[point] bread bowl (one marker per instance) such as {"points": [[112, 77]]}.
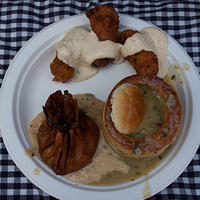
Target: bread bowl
{"points": [[136, 145]]}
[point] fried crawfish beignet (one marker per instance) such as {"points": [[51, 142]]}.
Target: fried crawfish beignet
{"points": [[104, 21], [61, 71], [144, 62]]}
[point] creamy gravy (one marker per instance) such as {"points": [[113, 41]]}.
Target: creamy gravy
{"points": [[30, 152], [154, 113], [37, 171], [33, 129], [138, 168], [149, 39], [186, 67], [80, 47], [147, 188]]}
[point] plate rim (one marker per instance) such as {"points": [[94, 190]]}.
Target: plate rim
{"points": [[28, 42]]}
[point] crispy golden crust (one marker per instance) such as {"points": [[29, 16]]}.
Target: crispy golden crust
{"points": [[124, 35], [159, 141], [61, 71], [144, 62], [104, 21]]}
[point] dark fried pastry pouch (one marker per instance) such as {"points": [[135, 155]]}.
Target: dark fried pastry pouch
{"points": [[68, 137]]}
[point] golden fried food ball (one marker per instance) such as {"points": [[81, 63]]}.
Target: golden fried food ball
{"points": [[61, 71], [104, 21], [144, 62]]}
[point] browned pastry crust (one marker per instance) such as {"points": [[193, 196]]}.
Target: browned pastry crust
{"points": [[61, 70], [159, 141], [104, 21], [68, 137]]}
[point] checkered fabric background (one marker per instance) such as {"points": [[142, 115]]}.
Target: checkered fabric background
{"points": [[20, 20]]}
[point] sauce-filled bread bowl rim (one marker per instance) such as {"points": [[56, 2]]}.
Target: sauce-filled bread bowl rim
{"points": [[124, 144]]}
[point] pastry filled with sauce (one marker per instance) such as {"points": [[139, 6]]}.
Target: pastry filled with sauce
{"points": [[141, 116]]}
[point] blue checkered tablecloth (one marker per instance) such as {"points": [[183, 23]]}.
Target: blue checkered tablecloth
{"points": [[20, 20]]}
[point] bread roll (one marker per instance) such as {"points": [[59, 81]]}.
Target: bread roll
{"points": [[128, 108]]}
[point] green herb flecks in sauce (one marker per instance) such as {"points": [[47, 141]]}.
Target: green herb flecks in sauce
{"points": [[154, 113]]}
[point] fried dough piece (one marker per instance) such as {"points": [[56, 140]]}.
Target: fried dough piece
{"points": [[144, 62], [61, 71], [104, 21], [124, 35]]}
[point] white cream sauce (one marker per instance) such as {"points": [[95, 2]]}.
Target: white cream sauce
{"points": [[80, 47], [149, 39]]}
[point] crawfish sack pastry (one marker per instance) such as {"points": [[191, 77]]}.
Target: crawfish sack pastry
{"points": [[68, 137], [104, 21]]}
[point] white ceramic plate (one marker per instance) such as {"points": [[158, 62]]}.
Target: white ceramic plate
{"points": [[28, 83]]}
